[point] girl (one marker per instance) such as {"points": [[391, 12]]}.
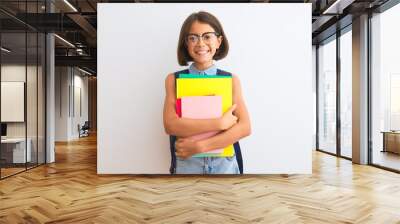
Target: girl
{"points": [[201, 41]]}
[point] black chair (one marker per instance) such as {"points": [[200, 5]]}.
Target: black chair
{"points": [[84, 130]]}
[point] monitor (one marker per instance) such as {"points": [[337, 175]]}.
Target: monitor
{"points": [[3, 129]]}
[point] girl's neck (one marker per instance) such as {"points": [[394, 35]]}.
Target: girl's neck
{"points": [[204, 66]]}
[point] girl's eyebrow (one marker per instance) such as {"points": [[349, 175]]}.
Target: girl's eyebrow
{"points": [[202, 33]]}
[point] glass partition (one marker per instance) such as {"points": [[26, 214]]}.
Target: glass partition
{"points": [[346, 94], [327, 96], [385, 89], [22, 66], [13, 95]]}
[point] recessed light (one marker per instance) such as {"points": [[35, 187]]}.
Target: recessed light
{"points": [[64, 40], [5, 50], [337, 7], [70, 5], [84, 71]]}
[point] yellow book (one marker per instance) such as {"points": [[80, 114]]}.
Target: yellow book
{"points": [[204, 86]]}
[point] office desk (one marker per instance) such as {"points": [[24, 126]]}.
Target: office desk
{"points": [[13, 150], [391, 141]]}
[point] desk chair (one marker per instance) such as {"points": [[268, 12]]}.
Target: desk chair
{"points": [[84, 130]]}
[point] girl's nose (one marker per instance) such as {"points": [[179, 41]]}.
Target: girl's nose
{"points": [[200, 42]]}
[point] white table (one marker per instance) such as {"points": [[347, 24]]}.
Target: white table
{"points": [[19, 155]]}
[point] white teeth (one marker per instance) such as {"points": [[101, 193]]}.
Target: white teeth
{"points": [[201, 52]]}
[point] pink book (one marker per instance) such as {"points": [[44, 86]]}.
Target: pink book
{"points": [[202, 107]]}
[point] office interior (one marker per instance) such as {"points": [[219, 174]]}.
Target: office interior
{"points": [[30, 56], [48, 81], [335, 74]]}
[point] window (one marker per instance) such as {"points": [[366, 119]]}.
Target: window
{"points": [[385, 89], [346, 93], [327, 96]]}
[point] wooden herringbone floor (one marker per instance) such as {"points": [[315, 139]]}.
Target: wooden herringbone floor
{"points": [[69, 191]]}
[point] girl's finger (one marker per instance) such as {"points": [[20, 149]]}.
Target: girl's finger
{"points": [[233, 107]]}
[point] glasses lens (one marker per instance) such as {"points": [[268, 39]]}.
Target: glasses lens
{"points": [[209, 37], [191, 38]]}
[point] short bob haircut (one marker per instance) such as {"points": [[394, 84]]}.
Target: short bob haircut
{"points": [[202, 17]]}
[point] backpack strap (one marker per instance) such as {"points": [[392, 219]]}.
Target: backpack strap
{"points": [[172, 138], [224, 73]]}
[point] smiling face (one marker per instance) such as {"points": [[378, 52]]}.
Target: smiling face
{"points": [[203, 50]]}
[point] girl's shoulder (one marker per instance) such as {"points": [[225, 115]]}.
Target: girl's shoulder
{"points": [[176, 73]]}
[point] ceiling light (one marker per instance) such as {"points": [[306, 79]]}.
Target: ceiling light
{"points": [[64, 40], [5, 50], [70, 5], [84, 71], [337, 7]]}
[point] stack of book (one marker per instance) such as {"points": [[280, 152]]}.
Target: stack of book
{"points": [[204, 97]]}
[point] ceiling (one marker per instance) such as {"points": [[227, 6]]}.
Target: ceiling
{"points": [[76, 22]]}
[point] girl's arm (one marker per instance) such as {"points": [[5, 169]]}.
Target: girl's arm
{"points": [[186, 147], [184, 127]]}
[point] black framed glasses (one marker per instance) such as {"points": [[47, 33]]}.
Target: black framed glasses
{"points": [[207, 37]]}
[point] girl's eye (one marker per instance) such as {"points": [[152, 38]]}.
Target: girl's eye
{"points": [[192, 38], [207, 37]]}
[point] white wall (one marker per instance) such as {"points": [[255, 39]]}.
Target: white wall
{"points": [[80, 84], [61, 103], [17, 72], [270, 52], [68, 80]]}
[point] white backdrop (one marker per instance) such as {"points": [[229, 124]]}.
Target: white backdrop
{"points": [[270, 51]]}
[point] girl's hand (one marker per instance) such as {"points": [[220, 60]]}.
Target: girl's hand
{"points": [[186, 147], [228, 119]]}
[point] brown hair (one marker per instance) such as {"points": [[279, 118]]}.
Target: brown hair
{"points": [[202, 17]]}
